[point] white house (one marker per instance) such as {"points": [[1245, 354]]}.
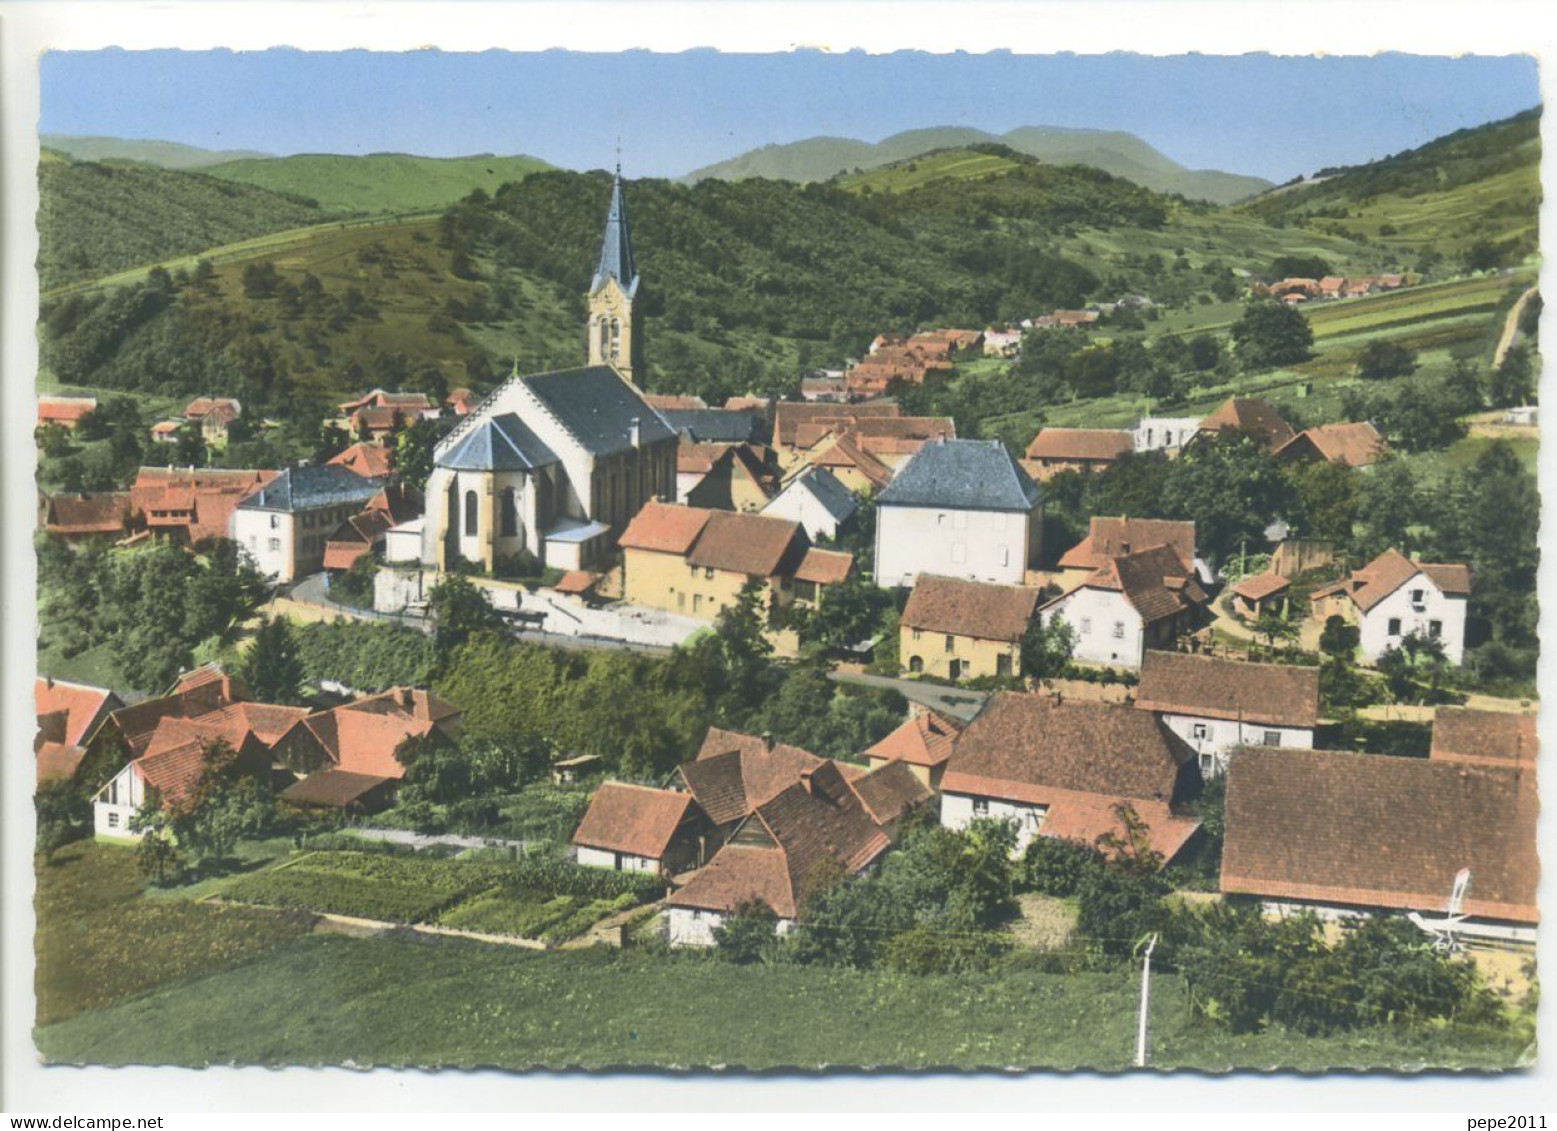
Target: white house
{"points": [[959, 508], [1393, 597], [173, 766], [1132, 602], [1062, 770], [817, 501], [286, 523], [1216, 705], [1165, 433], [635, 828]]}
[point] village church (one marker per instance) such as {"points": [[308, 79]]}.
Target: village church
{"points": [[556, 464]]}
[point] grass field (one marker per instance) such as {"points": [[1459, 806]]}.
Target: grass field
{"points": [[378, 182], [99, 941], [950, 165], [445, 1002]]}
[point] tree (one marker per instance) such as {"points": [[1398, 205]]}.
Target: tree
{"points": [[1388, 506], [1513, 382], [1339, 640], [1047, 649], [1230, 488], [355, 585], [1299, 267], [333, 440], [1381, 359], [458, 611], [53, 440], [749, 935], [1129, 848], [63, 813], [271, 666], [846, 614], [1326, 495], [1271, 334], [1274, 627], [436, 770], [744, 646], [413, 451]]}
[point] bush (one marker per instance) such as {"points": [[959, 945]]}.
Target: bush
{"points": [[925, 950], [750, 935], [367, 657], [1051, 866]]}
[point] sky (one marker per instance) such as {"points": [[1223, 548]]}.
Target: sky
{"points": [[1255, 114]]}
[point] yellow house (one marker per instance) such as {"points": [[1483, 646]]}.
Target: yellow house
{"points": [[957, 629], [924, 743], [695, 562], [727, 477]]}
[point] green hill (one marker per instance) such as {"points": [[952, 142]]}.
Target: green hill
{"points": [[380, 182], [167, 154], [1479, 186], [95, 219], [1122, 154]]}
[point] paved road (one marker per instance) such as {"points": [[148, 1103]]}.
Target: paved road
{"points": [[953, 701]]}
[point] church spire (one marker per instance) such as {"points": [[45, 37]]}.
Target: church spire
{"points": [[616, 247]]}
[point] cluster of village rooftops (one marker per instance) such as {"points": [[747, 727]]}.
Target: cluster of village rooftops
{"points": [[652, 513], [752, 822]]}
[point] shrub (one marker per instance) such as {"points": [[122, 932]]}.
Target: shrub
{"points": [[750, 935], [925, 950], [1057, 867]]}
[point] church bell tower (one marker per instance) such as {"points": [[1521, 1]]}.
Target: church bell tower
{"points": [[613, 338]]}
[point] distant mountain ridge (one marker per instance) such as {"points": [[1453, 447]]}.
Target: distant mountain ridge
{"points": [[1113, 151], [150, 151]]}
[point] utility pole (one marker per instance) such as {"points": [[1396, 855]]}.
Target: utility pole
{"points": [[1146, 993]]}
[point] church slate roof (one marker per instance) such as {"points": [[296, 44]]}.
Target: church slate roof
{"points": [[616, 246], [964, 475], [823, 486], [712, 425], [597, 407], [501, 443]]}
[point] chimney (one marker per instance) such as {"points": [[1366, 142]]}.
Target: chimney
{"points": [[635, 432], [805, 779]]}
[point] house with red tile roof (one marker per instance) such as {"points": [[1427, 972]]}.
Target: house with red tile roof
{"points": [[126, 732], [191, 504], [695, 561], [1350, 836], [68, 715], [636, 828], [65, 412], [1108, 538], [1252, 416], [923, 744], [1469, 734], [1216, 705], [213, 416], [1394, 596], [78, 516], [1054, 450], [361, 738], [1135, 601], [955, 629], [1349, 445], [371, 461], [720, 476], [1063, 770], [1260, 593], [461, 401]]}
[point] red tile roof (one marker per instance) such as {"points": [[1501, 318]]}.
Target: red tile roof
{"points": [[824, 567], [788, 415], [1252, 415], [970, 608], [83, 513], [1080, 760], [634, 819], [1277, 694], [1080, 444], [57, 761], [336, 788], [577, 581], [366, 459], [1258, 586], [752, 544], [378, 398], [1109, 537], [80, 705], [1350, 445], [1370, 584], [200, 500], [664, 528], [64, 410], [847, 451], [362, 736], [1465, 734], [926, 739], [1153, 581], [673, 402], [1373, 830], [889, 791], [224, 408]]}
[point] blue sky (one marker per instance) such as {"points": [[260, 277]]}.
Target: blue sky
{"points": [[1258, 114]]}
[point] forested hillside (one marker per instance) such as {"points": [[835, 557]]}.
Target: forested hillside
{"points": [[379, 182], [1474, 189], [96, 219]]}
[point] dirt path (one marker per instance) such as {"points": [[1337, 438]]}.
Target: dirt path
{"points": [[1511, 328]]}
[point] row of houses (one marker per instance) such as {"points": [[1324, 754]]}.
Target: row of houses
{"points": [[751, 822], [1296, 290], [1348, 444], [342, 758]]}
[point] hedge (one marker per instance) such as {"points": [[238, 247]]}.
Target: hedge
{"points": [[363, 656]]}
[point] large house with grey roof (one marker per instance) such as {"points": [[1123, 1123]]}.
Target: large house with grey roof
{"points": [[958, 508], [556, 464], [286, 523]]}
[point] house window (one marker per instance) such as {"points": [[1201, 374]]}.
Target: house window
{"points": [[951, 643], [275, 544], [1086, 626], [1418, 598], [275, 522], [1394, 626], [1273, 738], [1435, 629], [510, 513], [805, 590], [470, 513], [981, 806], [956, 668], [1201, 732], [1207, 764], [113, 820], [1119, 630], [697, 602], [916, 664], [708, 573], [917, 633], [1005, 555], [1003, 665]]}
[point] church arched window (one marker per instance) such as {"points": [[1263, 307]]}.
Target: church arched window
{"points": [[605, 338], [510, 513], [470, 513], [616, 338]]}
